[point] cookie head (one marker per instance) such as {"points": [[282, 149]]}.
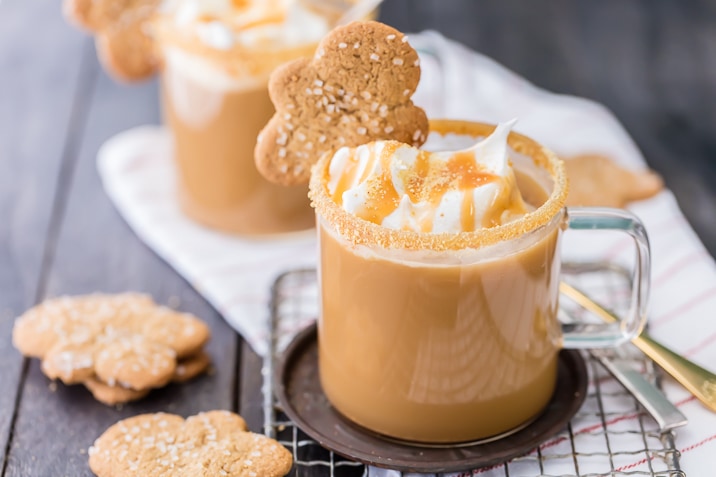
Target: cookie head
{"points": [[357, 88]]}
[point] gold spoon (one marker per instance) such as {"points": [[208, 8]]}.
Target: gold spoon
{"points": [[699, 381]]}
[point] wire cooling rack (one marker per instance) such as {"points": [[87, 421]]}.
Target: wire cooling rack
{"points": [[611, 435]]}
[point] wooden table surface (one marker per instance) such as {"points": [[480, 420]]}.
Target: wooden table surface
{"points": [[653, 63]]}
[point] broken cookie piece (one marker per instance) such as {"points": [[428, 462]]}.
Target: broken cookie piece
{"points": [[598, 181]]}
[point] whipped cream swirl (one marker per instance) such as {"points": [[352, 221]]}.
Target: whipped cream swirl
{"points": [[403, 188], [223, 24]]}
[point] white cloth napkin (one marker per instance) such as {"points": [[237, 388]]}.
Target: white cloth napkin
{"points": [[235, 274]]}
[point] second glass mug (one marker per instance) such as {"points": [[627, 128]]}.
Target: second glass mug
{"points": [[445, 338], [216, 101]]}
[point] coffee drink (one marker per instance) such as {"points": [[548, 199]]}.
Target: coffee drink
{"points": [[442, 350], [217, 59], [438, 317]]}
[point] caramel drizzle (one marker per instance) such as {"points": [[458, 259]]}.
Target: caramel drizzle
{"points": [[382, 199], [425, 181], [275, 14]]}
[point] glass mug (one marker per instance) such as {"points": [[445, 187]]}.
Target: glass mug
{"points": [[446, 338], [215, 101]]}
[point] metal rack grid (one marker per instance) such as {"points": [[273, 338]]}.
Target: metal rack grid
{"points": [[611, 435]]}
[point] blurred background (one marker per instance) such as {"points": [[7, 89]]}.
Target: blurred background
{"points": [[653, 63]]}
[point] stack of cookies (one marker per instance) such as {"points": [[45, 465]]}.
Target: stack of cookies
{"points": [[119, 346]]}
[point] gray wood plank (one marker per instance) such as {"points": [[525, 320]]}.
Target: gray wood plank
{"points": [[39, 75], [250, 392], [97, 251]]}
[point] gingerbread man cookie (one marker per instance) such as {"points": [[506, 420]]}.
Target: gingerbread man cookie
{"points": [[212, 444], [356, 89], [122, 34], [186, 369], [191, 367], [123, 341]]}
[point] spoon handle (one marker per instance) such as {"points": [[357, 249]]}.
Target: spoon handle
{"points": [[699, 381], [666, 415]]}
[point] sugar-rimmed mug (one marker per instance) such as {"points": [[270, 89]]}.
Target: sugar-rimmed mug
{"points": [[444, 338]]}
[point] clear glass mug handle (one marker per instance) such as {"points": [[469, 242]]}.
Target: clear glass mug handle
{"points": [[610, 335]]}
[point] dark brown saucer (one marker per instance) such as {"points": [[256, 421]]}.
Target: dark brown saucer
{"points": [[299, 392]]}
